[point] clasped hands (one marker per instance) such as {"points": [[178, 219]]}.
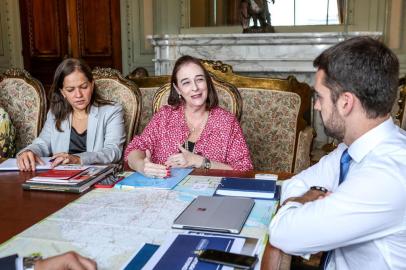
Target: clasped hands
{"points": [[27, 160], [182, 159]]}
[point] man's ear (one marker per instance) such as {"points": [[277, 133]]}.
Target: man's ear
{"points": [[346, 102]]}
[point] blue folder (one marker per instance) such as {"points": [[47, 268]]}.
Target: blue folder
{"points": [[138, 180]]}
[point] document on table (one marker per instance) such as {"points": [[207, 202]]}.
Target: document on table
{"points": [[137, 180], [10, 164]]}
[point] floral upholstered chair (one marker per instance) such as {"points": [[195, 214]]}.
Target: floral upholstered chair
{"points": [[113, 86], [273, 119], [229, 97], [23, 97], [7, 135], [398, 110], [148, 87]]}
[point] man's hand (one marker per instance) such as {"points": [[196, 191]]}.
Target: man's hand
{"points": [[67, 261], [309, 196]]}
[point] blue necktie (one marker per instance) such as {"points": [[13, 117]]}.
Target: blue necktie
{"points": [[344, 166]]}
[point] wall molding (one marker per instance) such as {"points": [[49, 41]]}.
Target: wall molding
{"points": [[10, 35]]}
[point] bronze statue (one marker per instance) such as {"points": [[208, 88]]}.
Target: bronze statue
{"points": [[257, 10]]}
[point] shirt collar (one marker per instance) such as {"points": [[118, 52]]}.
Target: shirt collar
{"points": [[364, 144]]}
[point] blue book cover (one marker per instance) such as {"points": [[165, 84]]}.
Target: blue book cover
{"points": [[247, 187], [180, 254], [137, 180], [142, 257]]}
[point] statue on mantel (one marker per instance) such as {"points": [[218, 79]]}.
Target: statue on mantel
{"points": [[258, 11]]}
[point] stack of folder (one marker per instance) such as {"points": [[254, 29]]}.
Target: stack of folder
{"points": [[74, 179]]}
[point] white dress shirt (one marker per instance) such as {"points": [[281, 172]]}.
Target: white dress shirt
{"points": [[364, 219]]}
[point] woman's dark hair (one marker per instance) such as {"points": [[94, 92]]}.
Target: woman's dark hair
{"points": [[59, 107], [174, 99]]}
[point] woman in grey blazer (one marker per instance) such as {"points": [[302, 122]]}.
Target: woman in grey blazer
{"points": [[81, 127]]}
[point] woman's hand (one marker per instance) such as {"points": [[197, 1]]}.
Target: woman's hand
{"points": [[184, 159], [64, 158], [154, 170], [27, 160]]}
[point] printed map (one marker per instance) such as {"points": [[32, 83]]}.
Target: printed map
{"points": [[109, 225]]}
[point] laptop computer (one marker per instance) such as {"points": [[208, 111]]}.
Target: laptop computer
{"points": [[218, 214]]}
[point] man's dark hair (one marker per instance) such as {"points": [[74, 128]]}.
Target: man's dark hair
{"points": [[365, 67], [174, 99]]}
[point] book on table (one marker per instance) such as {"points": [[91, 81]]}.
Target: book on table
{"points": [[179, 250], [74, 179], [247, 187]]}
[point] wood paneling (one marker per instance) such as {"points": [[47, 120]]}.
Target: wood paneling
{"points": [[44, 35], [55, 29]]}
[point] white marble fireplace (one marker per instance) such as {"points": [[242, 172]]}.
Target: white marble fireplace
{"points": [[275, 54]]}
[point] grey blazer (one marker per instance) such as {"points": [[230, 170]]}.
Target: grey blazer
{"points": [[104, 142]]}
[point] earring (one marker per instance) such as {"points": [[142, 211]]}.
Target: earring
{"points": [[180, 96]]}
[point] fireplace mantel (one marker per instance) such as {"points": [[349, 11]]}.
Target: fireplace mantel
{"points": [[249, 53]]}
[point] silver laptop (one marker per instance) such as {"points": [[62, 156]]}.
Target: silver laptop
{"points": [[218, 214]]}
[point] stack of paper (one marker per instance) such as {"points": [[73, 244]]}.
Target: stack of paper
{"points": [[11, 164]]}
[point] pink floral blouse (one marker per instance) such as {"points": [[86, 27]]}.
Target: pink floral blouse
{"points": [[221, 139]]}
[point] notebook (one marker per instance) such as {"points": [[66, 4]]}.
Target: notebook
{"points": [[247, 187], [218, 214]]}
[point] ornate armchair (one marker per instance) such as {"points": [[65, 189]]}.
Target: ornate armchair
{"points": [[113, 86], [148, 87], [273, 118], [398, 111], [23, 97]]}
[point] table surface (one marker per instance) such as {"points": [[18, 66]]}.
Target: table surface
{"points": [[20, 209]]}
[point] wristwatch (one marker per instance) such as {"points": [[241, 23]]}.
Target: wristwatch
{"points": [[206, 164], [29, 262], [322, 189]]}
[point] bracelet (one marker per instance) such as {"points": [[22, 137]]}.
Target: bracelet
{"points": [[322, 189]]}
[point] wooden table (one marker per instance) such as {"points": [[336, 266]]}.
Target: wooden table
{"points": [[20, 209]]}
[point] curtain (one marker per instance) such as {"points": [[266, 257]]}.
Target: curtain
{"points": [[341, 5]]}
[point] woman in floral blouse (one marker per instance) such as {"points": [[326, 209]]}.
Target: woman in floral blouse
{"points": [[192, 131]]}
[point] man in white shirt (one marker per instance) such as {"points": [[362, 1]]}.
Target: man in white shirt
{"points": [[352, 203]]}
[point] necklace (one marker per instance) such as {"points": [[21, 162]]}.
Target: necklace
{"points": [[199, 126]]}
